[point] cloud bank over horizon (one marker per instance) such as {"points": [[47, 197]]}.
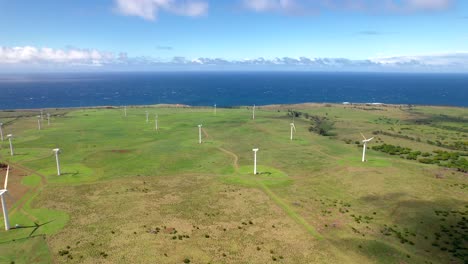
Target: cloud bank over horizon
{"points": [[74, 59]]}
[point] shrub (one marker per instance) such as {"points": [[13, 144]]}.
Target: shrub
{"points": [[63, 252]]}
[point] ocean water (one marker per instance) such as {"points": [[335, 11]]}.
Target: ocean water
{"points": [[228, 88]]}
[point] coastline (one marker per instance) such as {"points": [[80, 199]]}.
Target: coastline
{"points": [[266, 106]]}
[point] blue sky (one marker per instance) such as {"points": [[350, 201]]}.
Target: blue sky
{"points": [[362, 35]]}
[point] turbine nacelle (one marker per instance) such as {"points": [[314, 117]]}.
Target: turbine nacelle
{"points": [[366, 140], [56, 150], [293, 127]]}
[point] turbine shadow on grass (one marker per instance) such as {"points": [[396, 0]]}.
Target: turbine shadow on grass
{"points": [[20, 239], [22, 154], [35, 227], [71, 173]]}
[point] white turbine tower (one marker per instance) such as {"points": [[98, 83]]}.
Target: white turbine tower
{"points": [[4, 192], [48, 119], [147, 117], [255, 160], [1, 131], [39, 122], [156, 123], [364, 147], [215, 109], [10, 137], [199, 134], [57, 151], [293, 128], [253, 112], [42, 115]]}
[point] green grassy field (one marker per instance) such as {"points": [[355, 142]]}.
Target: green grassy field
{"points": [[130, 194]]}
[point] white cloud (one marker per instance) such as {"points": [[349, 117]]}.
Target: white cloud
{"points": [[34, 55], [308, 6], [148, 9], [428, 4], [289, 6]]}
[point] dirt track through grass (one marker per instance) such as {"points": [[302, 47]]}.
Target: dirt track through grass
{"points": [[287, 209], [235, 162], [33, 192]]}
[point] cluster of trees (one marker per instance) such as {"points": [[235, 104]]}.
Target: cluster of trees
{"points": [[442, 158], [397, 150], [319, 124], [380, 132], [292, 113], [456, 145]]}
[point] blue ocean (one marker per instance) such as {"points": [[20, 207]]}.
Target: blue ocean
{"points": [[226, 89]]}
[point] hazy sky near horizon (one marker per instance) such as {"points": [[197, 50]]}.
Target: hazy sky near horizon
{"points": [[416, 35]]}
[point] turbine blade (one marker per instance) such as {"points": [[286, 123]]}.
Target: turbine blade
{"points": [[47, 222], [363, 136], [6, 177], [294, 127], [35, 229], [371, 138]]}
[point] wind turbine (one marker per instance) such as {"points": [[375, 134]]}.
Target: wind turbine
{"points": [[215, 109], [156, 123], [147, 120], [253, 112], [48, 119], [42, 116], [255, 160], [3, 192], [10, 137], [365, 141], [57, 151], [1, 131], [293, 127], [199, 134], [39, 122]]}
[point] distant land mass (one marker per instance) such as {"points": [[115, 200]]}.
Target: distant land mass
{"points": [[227, 89]]}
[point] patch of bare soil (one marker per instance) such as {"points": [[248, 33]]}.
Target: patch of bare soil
{"points": [[15, 188]]}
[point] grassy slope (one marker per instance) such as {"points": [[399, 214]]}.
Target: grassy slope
{"points": [[121, 178]]}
